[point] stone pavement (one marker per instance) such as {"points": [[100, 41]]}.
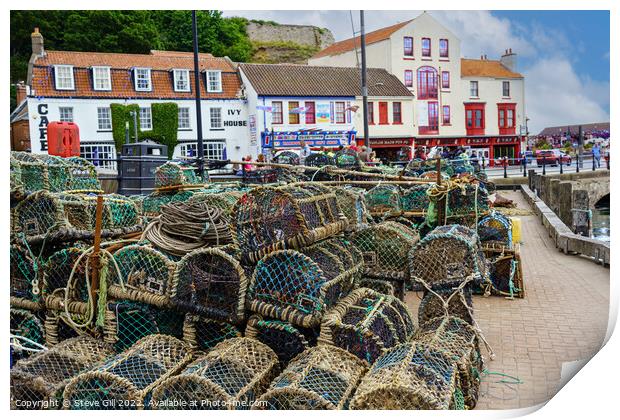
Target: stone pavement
{"points": [[563, 318]]}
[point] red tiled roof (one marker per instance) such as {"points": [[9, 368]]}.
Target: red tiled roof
{"points": [[160, 63], [349, 44], [486, 68]]}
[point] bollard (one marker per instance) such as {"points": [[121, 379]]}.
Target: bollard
{"points": [[577, 158], [607, 159], [544, 158], [593, 163], [524, 166], [561, 166], [505, 166]]}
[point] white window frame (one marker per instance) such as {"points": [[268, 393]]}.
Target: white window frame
{"points": [[211, 118], [107, 79], [106, 119], [141, 117], [505, 83], [105, 151], [60, 112], [57, 69], [185, 147], [219, 80], [189, 122], [471, 90], [136, 71], [214, 149], [175, 77]]}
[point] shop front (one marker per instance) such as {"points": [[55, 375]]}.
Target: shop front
{"points": [[282, 140], [491, 148], [391, 149]]}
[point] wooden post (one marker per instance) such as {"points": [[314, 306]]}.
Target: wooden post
{"points": [[95, 257]]}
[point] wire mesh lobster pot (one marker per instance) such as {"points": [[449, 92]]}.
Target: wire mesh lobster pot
{"points": [[506, 275], [26, 332], [448, 256], [127, 322], [347, 159], [418, 167], [319, 160], [383, 201], [495, 231], [410, 376], [212, 283], [58, 216], [385, 247], [24, 276], [38, 381], [202, 333], [230, 376], [286, 157], [414, 201], [351, 202], [172, 174], [465, 202], [458, 341], [125, 381], [321, 378], [57, 273], [298, 288], [146, 275], [459, 304], [17, 186], [266, 219], [285, 339], [367, 324]]}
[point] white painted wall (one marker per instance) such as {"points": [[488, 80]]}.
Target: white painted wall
{"points": [[389, 130]]}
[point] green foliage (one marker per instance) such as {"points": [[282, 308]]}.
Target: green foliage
{"points": [[542, 144], [13, 97], [265, 22], [120, 115], [588, 146], [281, 52], [165, 125]]}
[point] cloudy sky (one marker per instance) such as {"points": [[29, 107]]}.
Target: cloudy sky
{"points": [[564, 55]]}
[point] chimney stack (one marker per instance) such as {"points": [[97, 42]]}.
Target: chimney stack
{"points": [[21, 92], [37, 43], [509, 60]]}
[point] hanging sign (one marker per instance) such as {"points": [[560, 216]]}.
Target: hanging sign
{"points": [[323, 114]]}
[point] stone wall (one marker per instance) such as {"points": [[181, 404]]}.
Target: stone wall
{"points": [[311, 36]]}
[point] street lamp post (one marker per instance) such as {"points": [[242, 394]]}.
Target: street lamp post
{"points": [[201, 151]]}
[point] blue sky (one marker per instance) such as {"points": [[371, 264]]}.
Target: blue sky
{"points": [[564, 55]]}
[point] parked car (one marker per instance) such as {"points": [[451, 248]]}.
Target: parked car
{"points": [[552, 157]]}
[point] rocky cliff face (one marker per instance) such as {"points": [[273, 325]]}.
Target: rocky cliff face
{"points": [[277, 43]]}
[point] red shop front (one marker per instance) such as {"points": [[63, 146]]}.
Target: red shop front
{"points": [[391, 149], [490, 147]]}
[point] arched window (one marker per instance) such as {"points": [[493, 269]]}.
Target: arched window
{"points": [[427, 83]]}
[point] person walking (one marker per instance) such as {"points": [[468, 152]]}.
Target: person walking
{"points": [[596, 154], [364, 155], [304, 152]]}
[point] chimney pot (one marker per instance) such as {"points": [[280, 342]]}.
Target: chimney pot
{"points": [[37, 43]]}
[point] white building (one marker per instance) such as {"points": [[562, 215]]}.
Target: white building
{"points": [[476, 103], [79, 87], [326, 105]]}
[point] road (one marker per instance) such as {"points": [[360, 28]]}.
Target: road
{"points": [[562, 318], [517, 171]]}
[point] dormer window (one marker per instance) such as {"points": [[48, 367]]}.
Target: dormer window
{"points": [[181, 80], [142, 79], [101, 78], [63, 77], [214, 81]]}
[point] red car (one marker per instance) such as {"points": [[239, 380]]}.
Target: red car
{"points": [[552, 157]]}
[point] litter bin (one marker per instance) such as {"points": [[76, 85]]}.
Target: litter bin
{"points": [[138, 164]]}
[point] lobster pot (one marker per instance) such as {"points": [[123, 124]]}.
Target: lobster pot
{"points": [[59, 216], [35, 173], [291, 286], [202, 334], [172, 174], [287, 157], [125, 381], [319, 160], [152, 203], [506, 275], [418, 167], [465, 201], [367, 324], [353, 206], [38, 381], [127, 322], [224, 201], [320, 378], [414, 201], [351, 258], [83, 175], [447, 256], [495, 231], [210, 282], [62, 325], [383, 201], [285, 339], [462, 167], [24, 274], [385, 247], [230, 376], [57, 272], [380, 286], [347, 159], [16, 183], [146, 275], [410, 376], [266, 219], [458, 341], [26, 328], [460, 305]]}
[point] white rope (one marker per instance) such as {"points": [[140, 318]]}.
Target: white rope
{"points": [[16, 344]]}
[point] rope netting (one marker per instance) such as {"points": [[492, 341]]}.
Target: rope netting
{"points": [[319, 160], [457, 340], [27, 333], [125, 381], [172, 174], [505, 273], [24, 273], [290, 286], [380, 286], [410, 376], [464, 200], [414, 200], [285, 339], [495, 230], [38, 381], [459, 304], [288, 158], [446, 257], [383, 201], [418, 167], [367, 324], [351, 202], [347, 159], [57, 272], [230, 376], [321, 378], [152, 203], [202, 333], [210, 282]]}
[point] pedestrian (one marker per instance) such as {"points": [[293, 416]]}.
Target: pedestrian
{"points": [[247, 167], [304, 152], [596, 154], [364, 155], [419, 153]]}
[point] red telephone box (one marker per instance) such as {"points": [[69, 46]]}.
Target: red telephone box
{"points": [[63, 139]]}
